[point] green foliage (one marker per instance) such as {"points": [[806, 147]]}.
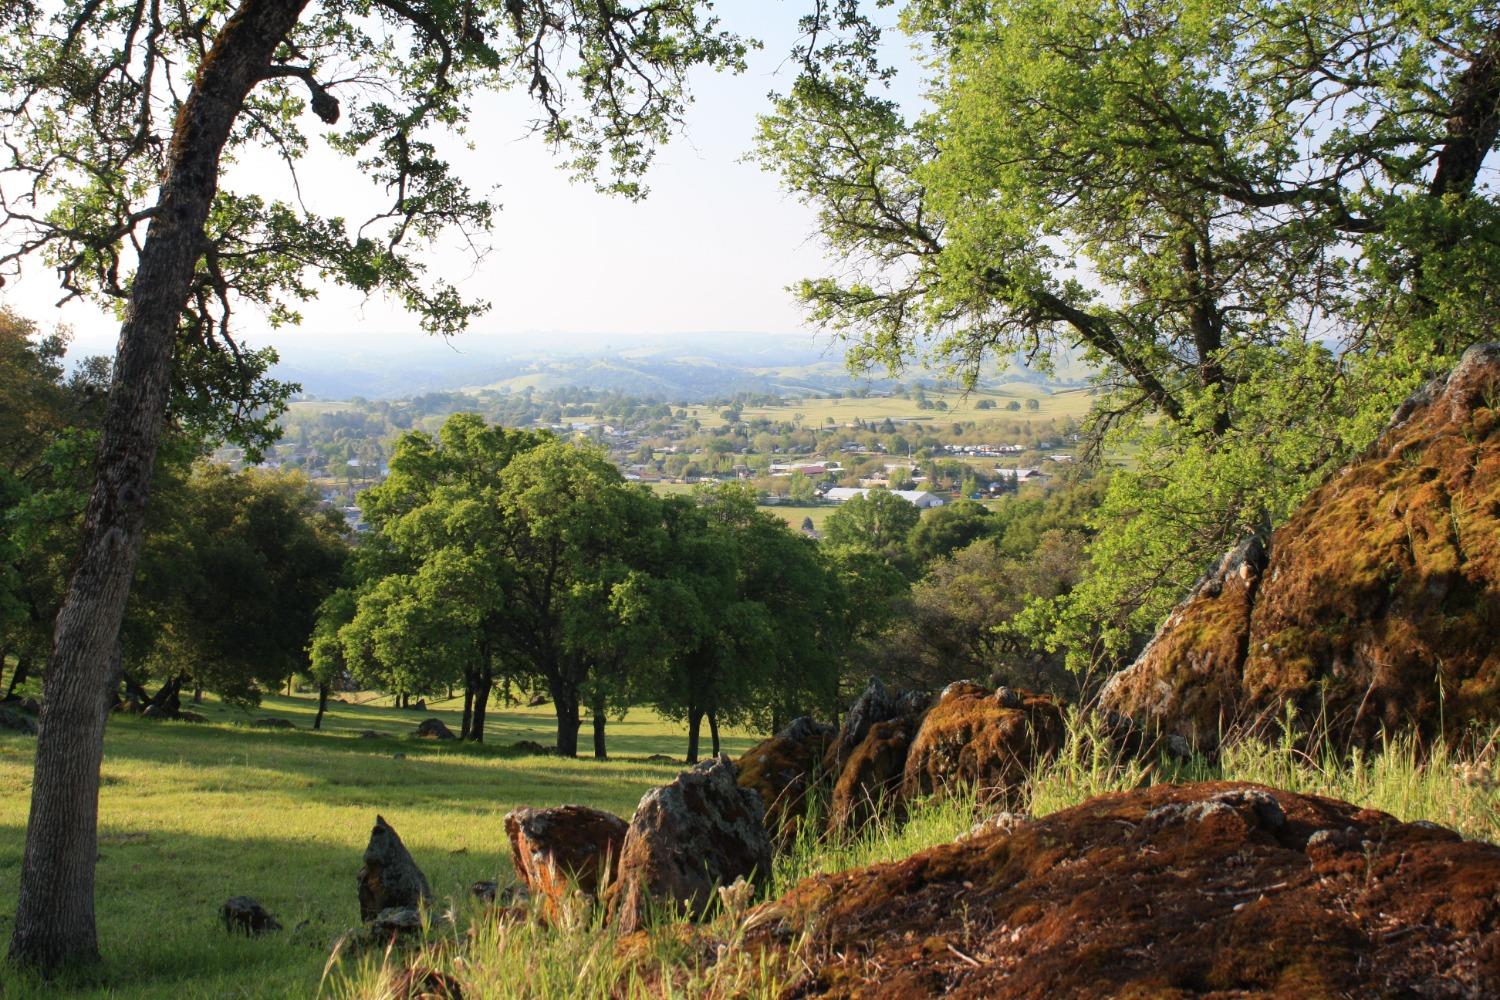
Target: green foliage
{"points": [[876, 521], [1260, 262], [229, 583], [93, 93]]}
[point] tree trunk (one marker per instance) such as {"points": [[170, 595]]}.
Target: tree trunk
{"points": [[18, 675], [322, 705], [54, 922], [695, 720], [198, 694], [168, 701], [565, 703], [599, 722], [463, 730], [713, 730], [481, 704]]}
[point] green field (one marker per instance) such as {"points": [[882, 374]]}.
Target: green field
{"points": [[191, 814], [816, 411]]}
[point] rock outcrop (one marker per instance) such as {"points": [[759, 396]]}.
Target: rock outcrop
{"points": [[1376, 605], [782, 769], [1221, 889], [869, 785], [987, 740], [875, 704], [390, 879], [685, 840], [556, 849]]}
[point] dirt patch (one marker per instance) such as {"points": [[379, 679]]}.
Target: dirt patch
{"points": [[1212, 889]]}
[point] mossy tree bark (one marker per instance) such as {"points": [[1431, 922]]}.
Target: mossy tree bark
{"points": [[54, 924]]}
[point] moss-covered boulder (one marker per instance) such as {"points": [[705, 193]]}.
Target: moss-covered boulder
{"points": [[870, 783], [987, 740], [783, 769], [558, 850], [1378, 603], [1201, 890]]}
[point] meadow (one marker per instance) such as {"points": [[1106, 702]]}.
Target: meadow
{"points": [[193, 813], [819, 410]]}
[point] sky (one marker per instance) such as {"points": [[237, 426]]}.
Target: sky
{"points": [[713, 248]]}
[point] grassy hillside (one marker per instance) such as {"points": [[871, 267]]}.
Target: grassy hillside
{"points": [[191, 814]]}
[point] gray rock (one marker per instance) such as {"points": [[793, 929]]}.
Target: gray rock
{"points": [[390, 878], [686, 840]]}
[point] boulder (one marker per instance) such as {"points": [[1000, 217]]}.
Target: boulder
{"points": [[685, 840], [1373, 609], [988, 740], [556, 849], [1215, 889], [271, 722], [190, 717], [782, 769], [875, 704], [390, 879], [870, 782], [245, 914], [433, 729], [530, 747]]}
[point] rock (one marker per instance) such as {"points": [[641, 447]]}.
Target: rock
{"points": [[530, 747], [687, 838], [15, 721], [190, 717], [1374, 607], [419, 983], [661, 758], [433, 729], [870, 783], [370, 734], [536, 701], [485, 892], [271, 722], [555, 850], [1174, 890], [782, 769], [390, 878], [875, 704], [242, 913], [990, 740]]}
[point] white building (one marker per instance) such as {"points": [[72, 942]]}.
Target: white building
{"points": [[920, 498]]}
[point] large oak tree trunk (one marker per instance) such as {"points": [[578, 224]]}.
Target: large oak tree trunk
{"points": [[713, 730], [54, 923], [481, 704]]}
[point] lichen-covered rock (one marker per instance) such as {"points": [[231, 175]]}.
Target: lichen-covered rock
{"points": [[987, 740], [1214, 889], [782, 769], [556, 849], [685, 840], [870, 782], [875, 704], [15, 721], [420, 983], [390, 879], [1379, 601], [433, 729]]}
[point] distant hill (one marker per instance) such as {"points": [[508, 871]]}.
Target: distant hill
{"points": [[681, 367]]}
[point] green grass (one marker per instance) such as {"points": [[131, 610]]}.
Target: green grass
{"points": [[525, 959], [191, 814]]}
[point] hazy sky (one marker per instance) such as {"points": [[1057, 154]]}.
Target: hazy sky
{"points": [[712, 249]]}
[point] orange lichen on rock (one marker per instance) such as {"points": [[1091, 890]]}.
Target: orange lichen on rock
{"points": [[1379, 601], [870, 782], [783, 769], [1209, 889], [987, 740]]}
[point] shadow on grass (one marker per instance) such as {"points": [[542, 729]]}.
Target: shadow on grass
{"points": [[158, 900]]}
